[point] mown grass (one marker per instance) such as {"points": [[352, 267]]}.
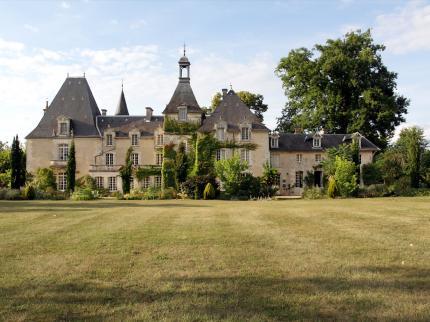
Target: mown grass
{"points": [[365, 259]]}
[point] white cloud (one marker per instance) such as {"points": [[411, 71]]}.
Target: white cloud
{"points": [[65, 5], [7, 46], [406, 29], [138, 24], [31, 28]]}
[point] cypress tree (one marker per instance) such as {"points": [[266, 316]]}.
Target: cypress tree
{"points": [[126, 172], [15, 164], [71, 169]]}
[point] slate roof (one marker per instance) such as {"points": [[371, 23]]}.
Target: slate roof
{"points": [[123, 124], [234, 112], [304, 142], [183, 95], [75, 101], [121, 108]]}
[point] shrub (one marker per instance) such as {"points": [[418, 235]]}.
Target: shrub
{"points": [[152, 193], [209, 192], [168, 173], [371, 174], [135, 194], [195, 186], [168, 193], [331, 190], [313, 193], [250, 187], [346, 179], [5, 179], [86, 182], [84, 194], [45, 179], [10, 194], [230, 172], [117, 195], [29, 192], [373, 191]]}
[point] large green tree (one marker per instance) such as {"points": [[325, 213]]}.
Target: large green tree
{"points": [[342, 86], [126, 171], [71, 169], [253, 101]]}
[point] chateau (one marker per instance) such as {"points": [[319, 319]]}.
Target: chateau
{"points": [[102, 140]]}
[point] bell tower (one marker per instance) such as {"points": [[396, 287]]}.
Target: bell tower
{"points": [[184, 68]]}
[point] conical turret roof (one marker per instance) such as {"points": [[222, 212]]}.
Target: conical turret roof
{"points": [[121, 108]]}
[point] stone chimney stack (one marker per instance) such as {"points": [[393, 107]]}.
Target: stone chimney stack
{"points": [[46, 107], [104, 112], [149, 111]]}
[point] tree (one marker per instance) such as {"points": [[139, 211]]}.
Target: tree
{"points": [[16, 163], [253, 101], [126, 171], [411, 144], [4, 157], [71, 169], [229, 171], [181, 164], [269, 180], [45, 179], [346, 179], [342, 86]]}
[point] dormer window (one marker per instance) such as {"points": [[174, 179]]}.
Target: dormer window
{"points": [[182, 113], [274, 142], [220, 134], [63, 126], [316, 142], [245, 133]]}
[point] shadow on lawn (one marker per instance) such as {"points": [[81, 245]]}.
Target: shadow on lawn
{"points": [[55, 206], [236, 298]]}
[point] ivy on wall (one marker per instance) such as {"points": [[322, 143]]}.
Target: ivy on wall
{"points": [[147, 171], [172, 126]]}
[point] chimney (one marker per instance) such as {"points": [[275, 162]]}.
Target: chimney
{"points": [[224, 92], [149, 111], [104, 112], [298, 130], [46, 107]]}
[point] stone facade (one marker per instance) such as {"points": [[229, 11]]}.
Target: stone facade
{"points": [[102, 141]]}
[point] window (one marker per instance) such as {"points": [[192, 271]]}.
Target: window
{"points": [[157, 181], [63, 152], [182, 114], [100, 182], [134, 139], [299, 158], [245, 133], [299, 179], [244, 155], [109, 140], [159, 159], [274, 142], [317, 142], [64, 128], [318, 157], [274, 160], [220, 154], [61, 181], [160, 139], [220, 134], [135, 158], [146, 182], [131, 183], [112, 184], [109, 158]]}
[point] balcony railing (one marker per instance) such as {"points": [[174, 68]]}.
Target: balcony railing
{"points": [[104, 168], [58, 163]]}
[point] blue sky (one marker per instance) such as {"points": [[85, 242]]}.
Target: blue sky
{"points": [[237, 42]]}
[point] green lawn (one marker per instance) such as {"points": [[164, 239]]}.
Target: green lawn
{"points": [[207, 260]]}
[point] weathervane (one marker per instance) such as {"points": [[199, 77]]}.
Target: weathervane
{"points": [[184, 48]]}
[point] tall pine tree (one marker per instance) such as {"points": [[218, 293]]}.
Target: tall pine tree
{"points": [[71, 169], [16, 154], [126, 171]]}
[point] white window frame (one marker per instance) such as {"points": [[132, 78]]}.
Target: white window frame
{"points": [[274, 143], [112, 184], [131, 183], [61, 181], [245, 133], [299, 158], [146, 182], [220, 133], [157, 181], [160, 139], [100, 182], [63, 151], [220, 154], [318, 157], [274, 160], [182, 113], [109, 159], [245, 155], [65, 130], [159, 158], [134, 158], [316, 142], [134, 139], [109, 139]]}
